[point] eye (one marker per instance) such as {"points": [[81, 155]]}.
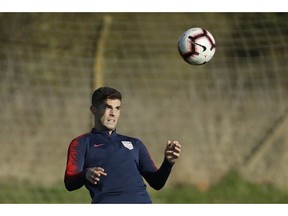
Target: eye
{"points": [[108, 106]]}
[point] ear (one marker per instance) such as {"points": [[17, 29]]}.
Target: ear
{"points": [[93, 109]]}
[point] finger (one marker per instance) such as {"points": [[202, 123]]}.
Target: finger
{"points": [[95, 178], [169, 152], [176, 155], [102, 173], [176, 143], [172, 155], [99, 171], [169, 143], [176, 149], [177, 146]]}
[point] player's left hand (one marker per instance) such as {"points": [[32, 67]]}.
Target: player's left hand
{"points": [[172, 151]]}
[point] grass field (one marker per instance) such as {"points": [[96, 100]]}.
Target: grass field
{"points": [[232, 189]]}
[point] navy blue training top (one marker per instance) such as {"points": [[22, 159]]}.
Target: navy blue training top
{"points": [[124, 159]]}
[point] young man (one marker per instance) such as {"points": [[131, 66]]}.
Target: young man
{"points": [[110, 165]]}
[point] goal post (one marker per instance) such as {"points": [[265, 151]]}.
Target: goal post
{"points": [[98, 67]]}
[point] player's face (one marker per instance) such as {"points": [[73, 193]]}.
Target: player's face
{"points": [[107, 114]]}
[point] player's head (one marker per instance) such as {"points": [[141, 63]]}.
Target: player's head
{"points": [[106, 104], [101, 94]]}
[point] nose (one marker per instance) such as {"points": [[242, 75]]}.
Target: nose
{"points": [[111, 112]]}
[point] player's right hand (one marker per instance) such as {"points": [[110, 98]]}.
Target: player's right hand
{"points": [[93, 174]]}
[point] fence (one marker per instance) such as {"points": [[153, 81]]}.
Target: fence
{"points": [[228, 114]]}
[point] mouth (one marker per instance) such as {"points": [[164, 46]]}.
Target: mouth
{"points": [[111, 121]]}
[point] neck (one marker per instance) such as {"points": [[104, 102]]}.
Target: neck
{"points": [[109, 131]]}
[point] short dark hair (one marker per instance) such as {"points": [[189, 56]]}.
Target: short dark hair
{"points": [[101, 94]]}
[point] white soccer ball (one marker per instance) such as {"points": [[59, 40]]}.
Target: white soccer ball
{"points": [[197, 46]]}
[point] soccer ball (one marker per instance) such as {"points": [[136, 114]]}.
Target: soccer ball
{"points": [[197, 46]]}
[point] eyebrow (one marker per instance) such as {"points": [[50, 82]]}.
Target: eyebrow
{"points": [[109, 106]]}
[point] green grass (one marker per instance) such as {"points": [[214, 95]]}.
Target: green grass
{"points": [[232, 189], [25, 192]]}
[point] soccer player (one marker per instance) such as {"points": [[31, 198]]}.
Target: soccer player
{"points": [[111, 165]]}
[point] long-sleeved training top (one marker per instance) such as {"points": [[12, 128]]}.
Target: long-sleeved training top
{"points": [[124, 159]]}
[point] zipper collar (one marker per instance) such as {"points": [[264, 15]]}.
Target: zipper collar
{"points": [[94, 130]]}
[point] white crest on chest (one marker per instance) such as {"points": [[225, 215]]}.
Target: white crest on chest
{"points": [[127, 144]]}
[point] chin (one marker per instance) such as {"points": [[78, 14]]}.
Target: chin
{"points": [[110, 128]]}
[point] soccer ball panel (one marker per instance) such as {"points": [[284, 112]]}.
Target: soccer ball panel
{"points": [[196, 46]]}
